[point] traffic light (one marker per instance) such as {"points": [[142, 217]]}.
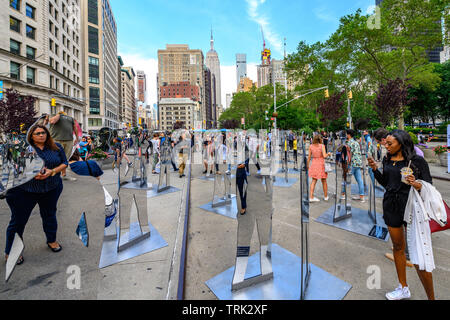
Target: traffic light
{"points": [[53, 102], [327, 93], [350, 95]]}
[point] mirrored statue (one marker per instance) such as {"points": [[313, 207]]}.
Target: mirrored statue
{"points": [[254, 198]]}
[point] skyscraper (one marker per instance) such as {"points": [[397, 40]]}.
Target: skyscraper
{"points": [[180, 75], [213, 64], [241, 67], [100, 63], [141, 85]]}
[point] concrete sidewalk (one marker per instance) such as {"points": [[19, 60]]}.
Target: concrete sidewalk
{"points": [[152, 276], [212, 244]]}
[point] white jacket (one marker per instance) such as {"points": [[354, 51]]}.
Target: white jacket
{"points": [[420, 209]]}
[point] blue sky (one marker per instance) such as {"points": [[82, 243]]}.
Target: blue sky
{"points": [[144, 26]]}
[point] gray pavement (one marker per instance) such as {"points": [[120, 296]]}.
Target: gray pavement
{"points": [[211, 247], [213, 238], [152, 276]]}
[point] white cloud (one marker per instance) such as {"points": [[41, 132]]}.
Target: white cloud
{"points": [[149, 66], [255, 15]]}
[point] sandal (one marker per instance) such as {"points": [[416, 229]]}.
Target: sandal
{"points": [[245, 211], [55, 249]]}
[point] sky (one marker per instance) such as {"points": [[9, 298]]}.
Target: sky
{"points": [[144, 26]]}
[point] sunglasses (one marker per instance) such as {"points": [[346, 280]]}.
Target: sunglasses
{"points": [[41, 133]]}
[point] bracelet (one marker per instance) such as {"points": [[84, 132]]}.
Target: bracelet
{"points": [[53, 172]]}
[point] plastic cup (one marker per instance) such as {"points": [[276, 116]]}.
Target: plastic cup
{"points": [[405, 172]]}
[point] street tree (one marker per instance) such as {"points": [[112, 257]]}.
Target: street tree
{"points": [[16, 110]]}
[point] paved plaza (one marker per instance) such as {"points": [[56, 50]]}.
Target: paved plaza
{"points": [[211, 246]]}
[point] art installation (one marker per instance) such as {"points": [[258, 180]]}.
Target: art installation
{"points": [[82, 230], [342, 215], [254, 198], [14, 255], [139, 178]]}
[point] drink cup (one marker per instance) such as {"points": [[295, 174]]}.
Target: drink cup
{"points": [[405, 172]]}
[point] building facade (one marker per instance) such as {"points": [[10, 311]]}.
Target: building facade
{"points": [[128, 104], [177, 66], [245, 85], [100, 64], [41, 54], [213, 64], [241, 67], [141, 86], [178, 109]]}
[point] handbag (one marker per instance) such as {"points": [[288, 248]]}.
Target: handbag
{"points": [[328, 167], [435, 227]]}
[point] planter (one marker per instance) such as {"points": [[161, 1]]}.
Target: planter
{"points": [[443, 159], [105, 163], [429, 155]]}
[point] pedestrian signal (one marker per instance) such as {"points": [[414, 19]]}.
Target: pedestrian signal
{"points": [[327, 93]]}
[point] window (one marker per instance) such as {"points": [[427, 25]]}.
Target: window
{"points": [[30, 75], [94, 100], [51, 82], [30, 11], [14, 24], [93, 11], [15, 4], [14, 46], [31, 32], [93, 40], [31, 53], [94, 74], [14, 70]]}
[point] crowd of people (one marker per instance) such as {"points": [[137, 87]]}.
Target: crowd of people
{"points": [[54, 143]]}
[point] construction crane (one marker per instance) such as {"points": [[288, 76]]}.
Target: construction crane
{"points": [[265, 54]]}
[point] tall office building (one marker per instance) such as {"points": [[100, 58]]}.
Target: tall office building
{"points": [[178, 64], [41, 54], [213, 64], [141, 86], [100, 63], [241, 67], [128, 104]]}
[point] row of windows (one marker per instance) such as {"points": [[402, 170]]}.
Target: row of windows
{"points": [[30, 11], [16, 48], [16, 24], [15, 72]]}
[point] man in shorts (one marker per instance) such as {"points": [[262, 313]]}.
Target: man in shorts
{"points": [[62, 129]]}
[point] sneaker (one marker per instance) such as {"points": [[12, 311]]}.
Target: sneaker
{"points": [[343, 197], [228, 172], [399, 293], [205, 172], [314, 200], [326, 198], [130, 164], [359, 199]]}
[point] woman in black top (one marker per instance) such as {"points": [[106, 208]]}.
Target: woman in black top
{"points": [[401, 153], [43, 190]]}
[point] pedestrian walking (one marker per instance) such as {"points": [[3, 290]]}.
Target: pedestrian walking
{"points": [[401, 158], [62, 130], [356, 163], [317, 168]]}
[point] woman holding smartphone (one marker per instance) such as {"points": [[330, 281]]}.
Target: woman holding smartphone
{"points": [[401, 155]]}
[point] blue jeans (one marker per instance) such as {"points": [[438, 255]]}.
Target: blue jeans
{"points": [[22, 204], [356, 172]]}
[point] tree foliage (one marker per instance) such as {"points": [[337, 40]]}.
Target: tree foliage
{"points": [[16, 110]]}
